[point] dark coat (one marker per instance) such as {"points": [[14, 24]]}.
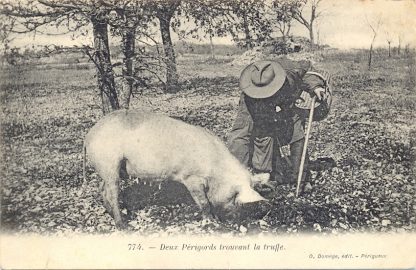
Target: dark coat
{"points": [[260, 123]]}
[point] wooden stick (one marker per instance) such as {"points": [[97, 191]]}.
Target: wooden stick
{"points": [[305, 145]]}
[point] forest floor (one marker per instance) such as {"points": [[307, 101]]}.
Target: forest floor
{"points": [[46, 110]]}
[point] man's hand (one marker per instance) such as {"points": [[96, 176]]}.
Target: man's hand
{"points": [[319, 92]]}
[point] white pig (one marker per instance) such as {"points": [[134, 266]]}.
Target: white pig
{"points": [[157, 147]]}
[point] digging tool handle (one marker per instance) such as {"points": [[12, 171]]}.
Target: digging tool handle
{"points": [[305, 145]]}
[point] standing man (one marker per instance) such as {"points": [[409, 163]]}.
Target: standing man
{"points": [[268, 133]]}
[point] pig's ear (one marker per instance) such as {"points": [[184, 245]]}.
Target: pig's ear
{"points": [[248, 196]]}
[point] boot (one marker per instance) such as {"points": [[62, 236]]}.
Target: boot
{"points": [[281, 172]]}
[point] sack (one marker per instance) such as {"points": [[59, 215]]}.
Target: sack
{"points": [[322, 107]]}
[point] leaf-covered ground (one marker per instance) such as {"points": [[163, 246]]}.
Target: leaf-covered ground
{"points": [[46, 111]]}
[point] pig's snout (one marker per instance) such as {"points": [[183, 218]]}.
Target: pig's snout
{"points": [[238, 210], [255, 210], [226, 214], [247, 211]]}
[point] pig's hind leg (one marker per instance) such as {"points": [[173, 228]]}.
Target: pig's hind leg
{"points": [[110, 189], [196, 187]]}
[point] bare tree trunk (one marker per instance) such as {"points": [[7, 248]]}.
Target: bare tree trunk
{"points": [[399, 46], [374, 29], [370, 55], [283, 35], [318, 39], [247, 34], [171, 71], [308, 23], [284, 29], [389, 49], [311, 35], [128, 48], [105, 75]]}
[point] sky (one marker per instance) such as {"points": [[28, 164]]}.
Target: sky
{"points": [[344, 24]]}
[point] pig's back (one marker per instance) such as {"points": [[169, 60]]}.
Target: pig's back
{"points": [[161, 145], [166, 136]]}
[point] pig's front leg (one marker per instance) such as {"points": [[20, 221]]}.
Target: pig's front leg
{"points": [[196, 187]]}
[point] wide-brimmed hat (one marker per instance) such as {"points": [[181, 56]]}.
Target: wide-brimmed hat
{"points": [[262, 79]]}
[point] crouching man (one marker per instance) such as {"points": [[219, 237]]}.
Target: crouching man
{"points": [[268, 132]]}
